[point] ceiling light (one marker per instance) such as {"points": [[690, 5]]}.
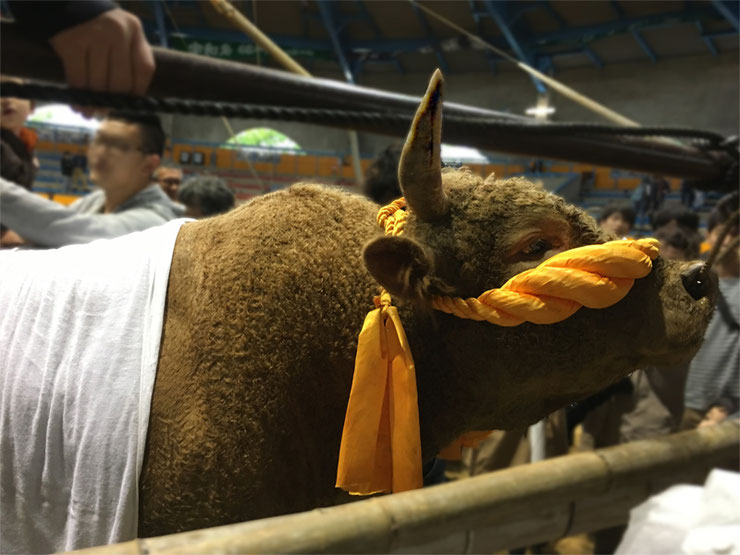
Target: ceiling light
{"points": [[540, 111]]}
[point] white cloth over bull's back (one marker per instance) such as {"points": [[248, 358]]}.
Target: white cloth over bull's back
{"points": [[80, 329]]}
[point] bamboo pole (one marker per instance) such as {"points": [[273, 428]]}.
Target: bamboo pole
{"points": [[284, 59], [518, 506], [253, 32], [565, 90]]}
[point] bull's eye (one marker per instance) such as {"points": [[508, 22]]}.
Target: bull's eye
{"points": [[537, 247]]}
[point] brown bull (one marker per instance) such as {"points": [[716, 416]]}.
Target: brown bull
{"points": [[265, 304]]}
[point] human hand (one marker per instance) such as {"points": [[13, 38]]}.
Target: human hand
{"points": [[108, 53], [715, 415], [10, 239]]}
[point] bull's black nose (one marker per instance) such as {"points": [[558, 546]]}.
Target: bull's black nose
{"points": [[697, 285]]}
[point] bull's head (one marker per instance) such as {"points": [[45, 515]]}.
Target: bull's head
{"points": [[466, 235]]}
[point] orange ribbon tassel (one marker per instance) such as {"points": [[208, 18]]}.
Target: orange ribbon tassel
{"points": [[383, 405]]}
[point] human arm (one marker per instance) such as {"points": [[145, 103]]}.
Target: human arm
{"points": [[49, 224]]}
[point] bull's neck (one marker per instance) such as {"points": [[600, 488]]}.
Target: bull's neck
{"points": [[443, 403]]}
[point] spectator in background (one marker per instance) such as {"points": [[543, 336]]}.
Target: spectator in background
{"points": [[169, 177], [17, 160], [688, 193], [641, 197], [618, 219], [713, 383], [658, 191], [205, 196], [123, 156], [17, 142], [66, 165], [684, 224], [79, 172], [676, 214], [381, 178]]}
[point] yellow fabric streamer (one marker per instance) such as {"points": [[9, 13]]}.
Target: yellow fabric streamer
{"points": [[595, 276], [381, 446]]}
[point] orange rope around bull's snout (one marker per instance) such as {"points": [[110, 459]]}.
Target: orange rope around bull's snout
{"points": [[594, 276], [381, 446]]}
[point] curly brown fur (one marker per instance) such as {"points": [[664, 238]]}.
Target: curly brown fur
{"points": [[264, 307]]}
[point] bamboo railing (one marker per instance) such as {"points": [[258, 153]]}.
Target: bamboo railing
{"points": [[504, 509]]}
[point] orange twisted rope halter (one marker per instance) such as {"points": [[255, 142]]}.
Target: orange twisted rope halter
{"points": [[594, 276], [381, 445]]}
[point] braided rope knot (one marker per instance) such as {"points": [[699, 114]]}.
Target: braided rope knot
{"points": [[392, 217], [382, 301], [594, 276]]}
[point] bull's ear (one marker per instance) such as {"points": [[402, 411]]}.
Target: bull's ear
{"points": [[399, 264]]}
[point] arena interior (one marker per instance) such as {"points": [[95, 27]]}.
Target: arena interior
{"points": [[499, 314]]}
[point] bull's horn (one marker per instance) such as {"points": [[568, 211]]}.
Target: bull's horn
{"points": [[419, 170]]}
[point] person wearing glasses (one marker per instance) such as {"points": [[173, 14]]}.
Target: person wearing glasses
{"points": [[169, 176], [122, 157]]}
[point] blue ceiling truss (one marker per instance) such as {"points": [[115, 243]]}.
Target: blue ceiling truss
{"points": [[433, 42], [536, 49], [505, 20], [161, 21], [477, 16], [729, 10], [334, 27]]}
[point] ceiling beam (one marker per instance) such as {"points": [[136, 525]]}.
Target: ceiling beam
{"points": [[366, 14], [161, 22], [494, 10], [327, 16], [587, 33], [727, 11], [553, 14], [593, 57], [433, 42], [490, 58], [707, 40], [378, 36], [645, 46], [570, 39], [616, 8]]}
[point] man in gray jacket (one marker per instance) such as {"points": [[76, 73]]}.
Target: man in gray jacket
{"points": [[123, 155]]}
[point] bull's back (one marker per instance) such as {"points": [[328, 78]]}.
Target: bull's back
{"points": [[264, 306]]}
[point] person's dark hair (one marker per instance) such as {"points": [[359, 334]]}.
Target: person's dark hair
{"points": [[683, 216], [167, 165], [210, 193], [680, 238], [723, 210], [381, 178], [627, 212], [152, 135]]}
